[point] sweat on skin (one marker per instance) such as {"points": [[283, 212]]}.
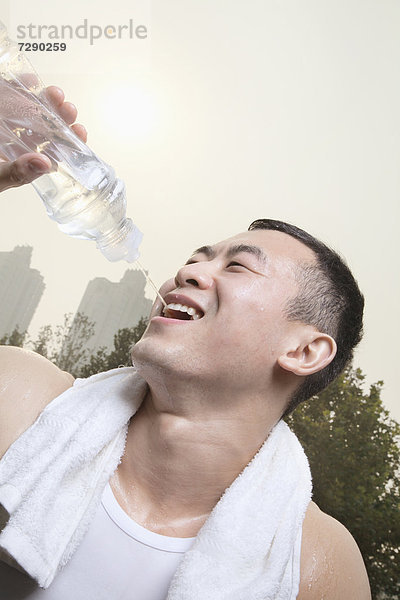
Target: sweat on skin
{"points": [[222, 385], [218, 384]]}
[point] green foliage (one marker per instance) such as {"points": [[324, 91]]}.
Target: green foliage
{"points": [[65, 344], [351, 443], [124, 339], [16, 338], [72, 339], [352, 446]]}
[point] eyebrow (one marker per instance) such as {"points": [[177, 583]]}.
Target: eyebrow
{"points": [[233, 250]]}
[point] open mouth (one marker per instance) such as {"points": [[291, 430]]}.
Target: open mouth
{"points": [[182, 312]]}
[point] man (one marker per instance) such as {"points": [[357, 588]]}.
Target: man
{"points": [[253, 325]]}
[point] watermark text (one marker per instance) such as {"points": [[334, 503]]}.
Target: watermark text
{"points": [[84, 31]]}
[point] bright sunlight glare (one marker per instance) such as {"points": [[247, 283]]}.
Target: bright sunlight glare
{"points": [[128, 110]]}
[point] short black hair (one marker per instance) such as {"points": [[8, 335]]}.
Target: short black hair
{"points": [[329, 298]]}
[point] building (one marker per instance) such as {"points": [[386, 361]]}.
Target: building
{"points": [[21, 289], [112, 306]]}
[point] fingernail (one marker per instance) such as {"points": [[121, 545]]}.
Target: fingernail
{"points": [[37, 166]]}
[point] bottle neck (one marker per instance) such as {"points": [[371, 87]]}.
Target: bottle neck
{"points": [[122, 243]]}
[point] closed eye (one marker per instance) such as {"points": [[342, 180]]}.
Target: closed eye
{"points": [[232, 263]]}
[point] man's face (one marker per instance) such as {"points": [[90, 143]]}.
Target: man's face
{"points": [[237, 290]]}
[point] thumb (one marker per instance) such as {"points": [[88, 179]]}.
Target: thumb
{"points": [[23, 170]]}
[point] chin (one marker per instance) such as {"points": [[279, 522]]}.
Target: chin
{"points": [[154, 360]]}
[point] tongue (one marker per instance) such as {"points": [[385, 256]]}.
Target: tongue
{"points": [[177, 314]]}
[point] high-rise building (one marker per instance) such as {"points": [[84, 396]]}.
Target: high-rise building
{"points": [[20, 289], [112, 306]]}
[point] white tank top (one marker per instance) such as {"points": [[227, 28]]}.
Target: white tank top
{"points": [[117, 560]]}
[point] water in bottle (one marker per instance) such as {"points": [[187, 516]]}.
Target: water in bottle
{"points": [[81, 193]]}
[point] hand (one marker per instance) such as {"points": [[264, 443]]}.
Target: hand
{"points": [[30, 166]]}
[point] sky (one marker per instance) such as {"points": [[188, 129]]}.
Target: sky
{"points": [[229, 111]]}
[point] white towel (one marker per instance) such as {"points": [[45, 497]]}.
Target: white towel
{"points": [[52, 478]]}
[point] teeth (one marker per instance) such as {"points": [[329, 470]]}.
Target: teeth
{"points": [[183, 308]]}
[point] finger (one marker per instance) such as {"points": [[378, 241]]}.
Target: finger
{"points": [[68, 112], [23, 170], [55, 95], [80, 131]]}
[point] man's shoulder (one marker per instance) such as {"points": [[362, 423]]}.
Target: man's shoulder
{"points": [[331, 563], [28, 382]]}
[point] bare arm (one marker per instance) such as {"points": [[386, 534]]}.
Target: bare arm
{"points": [[28, 382], [332, 567]]}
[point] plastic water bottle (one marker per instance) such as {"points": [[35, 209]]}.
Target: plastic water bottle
{"points": [[81, 192]]}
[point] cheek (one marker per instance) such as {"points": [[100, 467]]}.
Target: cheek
{"points": [[258, 333], [255, 321]]}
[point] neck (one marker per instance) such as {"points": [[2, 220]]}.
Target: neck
{"points": [[183, 451]]}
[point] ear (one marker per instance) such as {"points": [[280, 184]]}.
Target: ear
{"points": [[311, 356]]}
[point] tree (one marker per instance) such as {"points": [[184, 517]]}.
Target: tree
{"points": [[72, 339], [124, 339], [352, 446], [65, 344], [44, 341], [16, 338]]}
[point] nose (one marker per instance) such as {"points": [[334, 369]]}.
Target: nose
{"points": [[196, 275]]}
